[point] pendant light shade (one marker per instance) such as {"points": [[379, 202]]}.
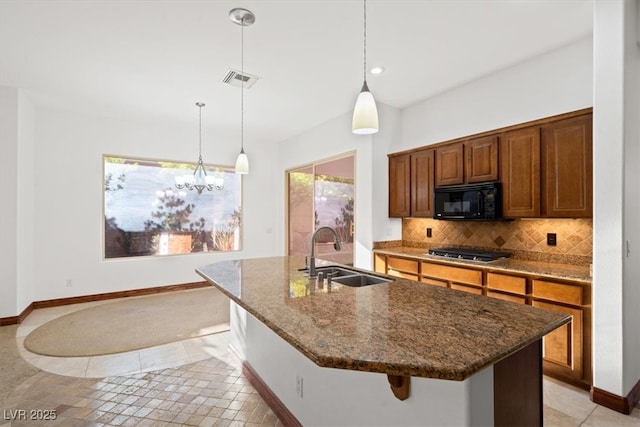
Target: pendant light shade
{"points": [[242, 163], [244, 18], [365, 113]]}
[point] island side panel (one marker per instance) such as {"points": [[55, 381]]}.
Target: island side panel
{"points": [[518, 388], [327, 396]]}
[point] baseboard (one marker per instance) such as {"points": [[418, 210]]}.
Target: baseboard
{"points": [[564, 378], [276, 405], [617, 403], [14, 320]]}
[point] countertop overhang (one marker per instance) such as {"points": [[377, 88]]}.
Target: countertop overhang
{"points": [[402, 328]]}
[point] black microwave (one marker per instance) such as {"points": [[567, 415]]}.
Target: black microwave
{"points": [[468, 202]]}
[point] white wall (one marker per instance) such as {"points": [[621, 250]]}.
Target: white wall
{"points": [[334, 138], [68, 214], [25, 246], [616, 296], [9, 197], [335, 397], [17, 195], [553, 83], [631, 281]]}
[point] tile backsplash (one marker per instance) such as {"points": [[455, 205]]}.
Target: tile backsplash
{"points": [[526, 238]]}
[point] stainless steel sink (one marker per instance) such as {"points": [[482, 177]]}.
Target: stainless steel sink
{"points": [[360, 280], [348, 277], [336, 271]]}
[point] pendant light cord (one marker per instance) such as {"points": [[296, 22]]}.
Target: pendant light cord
{"points": [[242, 88], [364, 71], [199, 104]]}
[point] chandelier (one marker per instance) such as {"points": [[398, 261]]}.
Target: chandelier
{"points": [[199, 180]]}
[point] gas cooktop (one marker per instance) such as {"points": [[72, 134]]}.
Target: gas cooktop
{"points": [[469, 254]]}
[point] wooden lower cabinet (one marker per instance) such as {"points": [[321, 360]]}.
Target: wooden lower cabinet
{"points": [[434, 282], [566, 351], [380, 263], [562, 348], [397, 266], [457, 275], [507, 297], [506, 287], [470, 289]]}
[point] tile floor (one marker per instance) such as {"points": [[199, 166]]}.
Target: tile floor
{"points": [[191, 382]]}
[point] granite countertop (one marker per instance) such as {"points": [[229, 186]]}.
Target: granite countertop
{"points": [[550, 270], [399, 328]]}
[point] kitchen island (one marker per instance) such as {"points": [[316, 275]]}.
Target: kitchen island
{"points": [[387, 354]]}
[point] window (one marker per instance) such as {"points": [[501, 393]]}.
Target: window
{"points": [[322, 194], [145, 214]]}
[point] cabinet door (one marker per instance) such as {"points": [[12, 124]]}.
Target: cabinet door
{"points": [[399, 186], [449, 164], [422, 182], [567, 168], [379, 263], [481, 159], [562, 348], [520, 170]]}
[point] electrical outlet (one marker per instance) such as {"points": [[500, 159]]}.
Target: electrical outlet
{"points": [[429, 232], [551, 239], [299, 386], [69, 283]]}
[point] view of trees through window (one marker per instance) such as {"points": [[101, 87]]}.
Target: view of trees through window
{"points": [[145, 214], [322, 194]]}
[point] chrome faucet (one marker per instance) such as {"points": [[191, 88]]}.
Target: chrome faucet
{"points": [[312, 257]]}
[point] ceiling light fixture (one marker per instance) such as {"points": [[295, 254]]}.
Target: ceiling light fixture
{"points": [[244, 18], [377, 70], [365, 113], [199, 180]]}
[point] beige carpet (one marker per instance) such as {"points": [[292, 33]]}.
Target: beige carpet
{"points": [[132, 324]]}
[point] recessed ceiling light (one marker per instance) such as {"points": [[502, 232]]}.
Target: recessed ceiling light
{"points": [[377, 70]]}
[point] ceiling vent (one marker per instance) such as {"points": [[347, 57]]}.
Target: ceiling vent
{"points": [[235, 78]]}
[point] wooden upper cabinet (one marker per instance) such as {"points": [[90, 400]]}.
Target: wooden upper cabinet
{"points": [[567, 168], [450, 164], [481, 160], [545, 167], [422, 183], [399, 186], [520, 171]]}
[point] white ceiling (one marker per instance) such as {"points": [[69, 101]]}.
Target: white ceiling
{"points": [[152, 60]]}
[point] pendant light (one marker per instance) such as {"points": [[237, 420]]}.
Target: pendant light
{"points": [[199, 180], [365, 113], [244, 18]]}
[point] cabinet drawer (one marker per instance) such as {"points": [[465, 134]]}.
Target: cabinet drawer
{"points": [[470, 289], [506, 297], [430, 281], [559, 292], [502, 282], [401, 264], [452, 274], [402, 274]]}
